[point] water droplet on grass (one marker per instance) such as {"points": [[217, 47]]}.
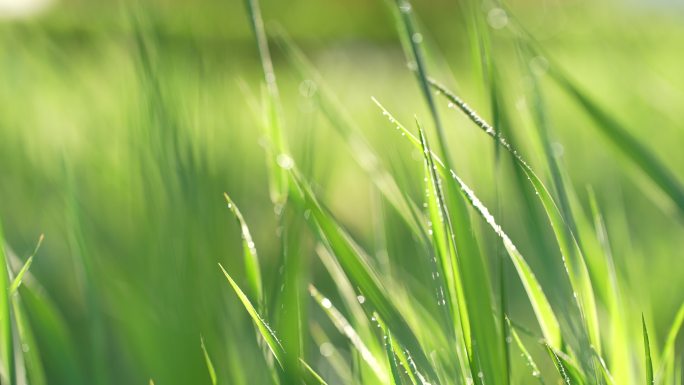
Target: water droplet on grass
{"points": [[497, 18]]}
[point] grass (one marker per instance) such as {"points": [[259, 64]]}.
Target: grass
{"points": [[460, 248]]}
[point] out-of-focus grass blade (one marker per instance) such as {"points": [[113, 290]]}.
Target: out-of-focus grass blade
{"points": [[57, 345], [342, 122], [629, 146], [648, 364], [16, 282], [6, 341], [357, 269], [540, 303], [277, 149], [667, 365], [253, 271], [348, 331], [210, 365]]}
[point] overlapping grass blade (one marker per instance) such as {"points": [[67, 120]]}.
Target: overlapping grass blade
{"points": [[540, 303], [356, 267], [344, 327], [570, 374], [308, 375], [572, 257]]}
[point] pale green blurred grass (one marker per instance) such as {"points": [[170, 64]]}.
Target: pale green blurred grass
{"points": [[73, 106]]}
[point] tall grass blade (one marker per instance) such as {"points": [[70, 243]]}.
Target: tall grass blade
{"points": [[648, 364], [540, 304]]}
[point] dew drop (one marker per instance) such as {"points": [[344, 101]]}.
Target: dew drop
{"points": [[285, 161], [326, 303], [497, 18]]}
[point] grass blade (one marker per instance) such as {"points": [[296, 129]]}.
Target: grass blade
{"points": [[344, 327], [648, 364], [540, 303], [357, 269], [210, 365], [252, 269], [6, 341]]}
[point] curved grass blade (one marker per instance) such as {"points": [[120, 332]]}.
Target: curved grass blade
{"points": [[210, 365], [648, 364], [252, 269], [540, 304]]}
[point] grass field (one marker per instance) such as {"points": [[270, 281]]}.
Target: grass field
{"points": [[353, 192]]}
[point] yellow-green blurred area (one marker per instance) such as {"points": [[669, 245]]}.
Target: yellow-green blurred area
{"points": [[123, 123]]}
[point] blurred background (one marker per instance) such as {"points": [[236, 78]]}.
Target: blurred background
{"points": [[122, 123]]}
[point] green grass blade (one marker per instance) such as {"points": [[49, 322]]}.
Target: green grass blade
{"points": [[627, 145], [668, 354], [648, 364], [252, 269], [342, 122], [346, 329], [392, 360], [358, 270], [277, 148], [572, 258], [540, 303], [570, 374], [266, 332], [16, 282], [6, 340], [525, 353], [207, 360]]}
